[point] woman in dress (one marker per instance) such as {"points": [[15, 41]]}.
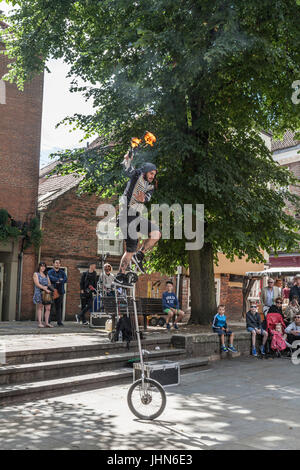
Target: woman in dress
{"points": [[41, 283]]}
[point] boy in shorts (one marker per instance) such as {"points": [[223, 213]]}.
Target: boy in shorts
{"points": [[171, 306], [254, 326], [219, 326]]}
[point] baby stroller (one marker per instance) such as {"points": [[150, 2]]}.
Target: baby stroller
{"points": [[272, 319]]}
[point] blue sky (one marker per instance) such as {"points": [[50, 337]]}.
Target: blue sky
{"points": [[58, 103]]}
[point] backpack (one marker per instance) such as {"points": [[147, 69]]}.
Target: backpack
{"points": [[124, 326]]}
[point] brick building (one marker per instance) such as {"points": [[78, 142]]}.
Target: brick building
{"points": [[20, 131], [285, 152]]}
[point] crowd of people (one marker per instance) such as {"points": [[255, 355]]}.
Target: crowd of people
{"points": [[280, 320], [49, 294], [281, 316]]}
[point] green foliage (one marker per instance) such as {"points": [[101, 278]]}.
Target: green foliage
{"points": [[204, 76], [6, 230], [9, 229]]}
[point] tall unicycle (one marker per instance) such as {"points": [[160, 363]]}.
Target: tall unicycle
{"points": [[146, 397]]}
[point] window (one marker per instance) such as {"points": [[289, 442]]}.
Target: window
{"points": [[112, 245]]}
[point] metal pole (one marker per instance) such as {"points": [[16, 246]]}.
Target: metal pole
{"points": [[138, 333]]}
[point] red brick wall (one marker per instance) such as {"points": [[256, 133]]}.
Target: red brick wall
{"points": [[20, 131], [232, 298]]}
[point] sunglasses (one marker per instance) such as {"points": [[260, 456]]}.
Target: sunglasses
{"points": [[280, 303]]}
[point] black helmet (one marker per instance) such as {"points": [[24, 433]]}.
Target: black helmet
{"points": [[148, 167]]}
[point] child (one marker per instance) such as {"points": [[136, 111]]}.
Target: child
{"points": [[219, 326], [278, 339], [171, 306]]}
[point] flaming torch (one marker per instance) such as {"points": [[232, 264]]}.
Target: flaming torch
{"points": [[135, 142]]}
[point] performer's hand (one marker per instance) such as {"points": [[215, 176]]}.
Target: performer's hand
{"points": [[128, 156], [140, 196]]}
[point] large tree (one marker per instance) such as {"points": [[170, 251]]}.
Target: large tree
{"points": [[206, 76]]}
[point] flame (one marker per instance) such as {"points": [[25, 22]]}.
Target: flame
{"points": [[149, 138], [135, 142]]}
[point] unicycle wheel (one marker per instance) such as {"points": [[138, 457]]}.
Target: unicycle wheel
{"points": [[148, 400]]}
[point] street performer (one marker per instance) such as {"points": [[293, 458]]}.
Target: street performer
{"points": [[131, 222]]}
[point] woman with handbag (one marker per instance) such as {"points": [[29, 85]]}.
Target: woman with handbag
{"points": [[42, 294]]}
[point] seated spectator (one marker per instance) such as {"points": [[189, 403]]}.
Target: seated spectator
{"points": [[293, 330], [278, 339], [277, 308], [219, 326], [292, 309], [254, 326], [171, 306]]}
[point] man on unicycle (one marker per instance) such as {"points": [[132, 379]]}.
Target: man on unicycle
{"points": [[139, 190]]}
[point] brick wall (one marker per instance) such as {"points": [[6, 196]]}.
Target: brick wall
{"points": [[20, 131], [232, 297]]}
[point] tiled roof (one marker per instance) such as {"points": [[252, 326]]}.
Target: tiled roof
{"points": [[287, 142], [54, 186]]}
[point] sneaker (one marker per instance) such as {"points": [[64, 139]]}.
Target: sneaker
{"points": [[224, 349], [262, 350], [85, 323], [138, 261], [122, 280], [175, 326], [232, 349], [168, 326], [60, 324], [254, 353]]}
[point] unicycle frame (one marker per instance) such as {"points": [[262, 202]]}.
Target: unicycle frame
{"points": [[138, 337]]}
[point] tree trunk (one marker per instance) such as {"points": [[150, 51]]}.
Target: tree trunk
{"points": [[203, 292]]}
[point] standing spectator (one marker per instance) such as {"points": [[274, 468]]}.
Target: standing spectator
{"points": [[88, 284], [254, 326], [219, 326], [107, 278], [293, 330], [286, 293], [58, 280], [171, 306], [41, 283], [268, 295], [292, 309], [295, 290]]}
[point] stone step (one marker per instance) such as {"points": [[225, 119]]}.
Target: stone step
{"points": [[13, 374], [32, 391], [29, 356]]}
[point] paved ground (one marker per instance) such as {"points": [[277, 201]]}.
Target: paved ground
{"points": [[244, 403]]}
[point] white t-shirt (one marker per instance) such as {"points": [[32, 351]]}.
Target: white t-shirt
{"points": [[107, 280]]}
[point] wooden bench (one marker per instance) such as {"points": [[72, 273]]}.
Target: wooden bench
{"points": [[145, 307]]}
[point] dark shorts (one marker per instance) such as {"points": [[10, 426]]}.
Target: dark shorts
{"points": [[136, 224], [220, 332]]}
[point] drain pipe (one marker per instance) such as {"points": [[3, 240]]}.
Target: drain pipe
{"points": [[19, 282], [179, 271]]}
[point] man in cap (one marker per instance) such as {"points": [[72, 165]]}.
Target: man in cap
{"points": [[139, 190], [295, 290]]}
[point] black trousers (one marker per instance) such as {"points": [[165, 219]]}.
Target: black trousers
{"points": [[56, 309], [86, 305]]}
